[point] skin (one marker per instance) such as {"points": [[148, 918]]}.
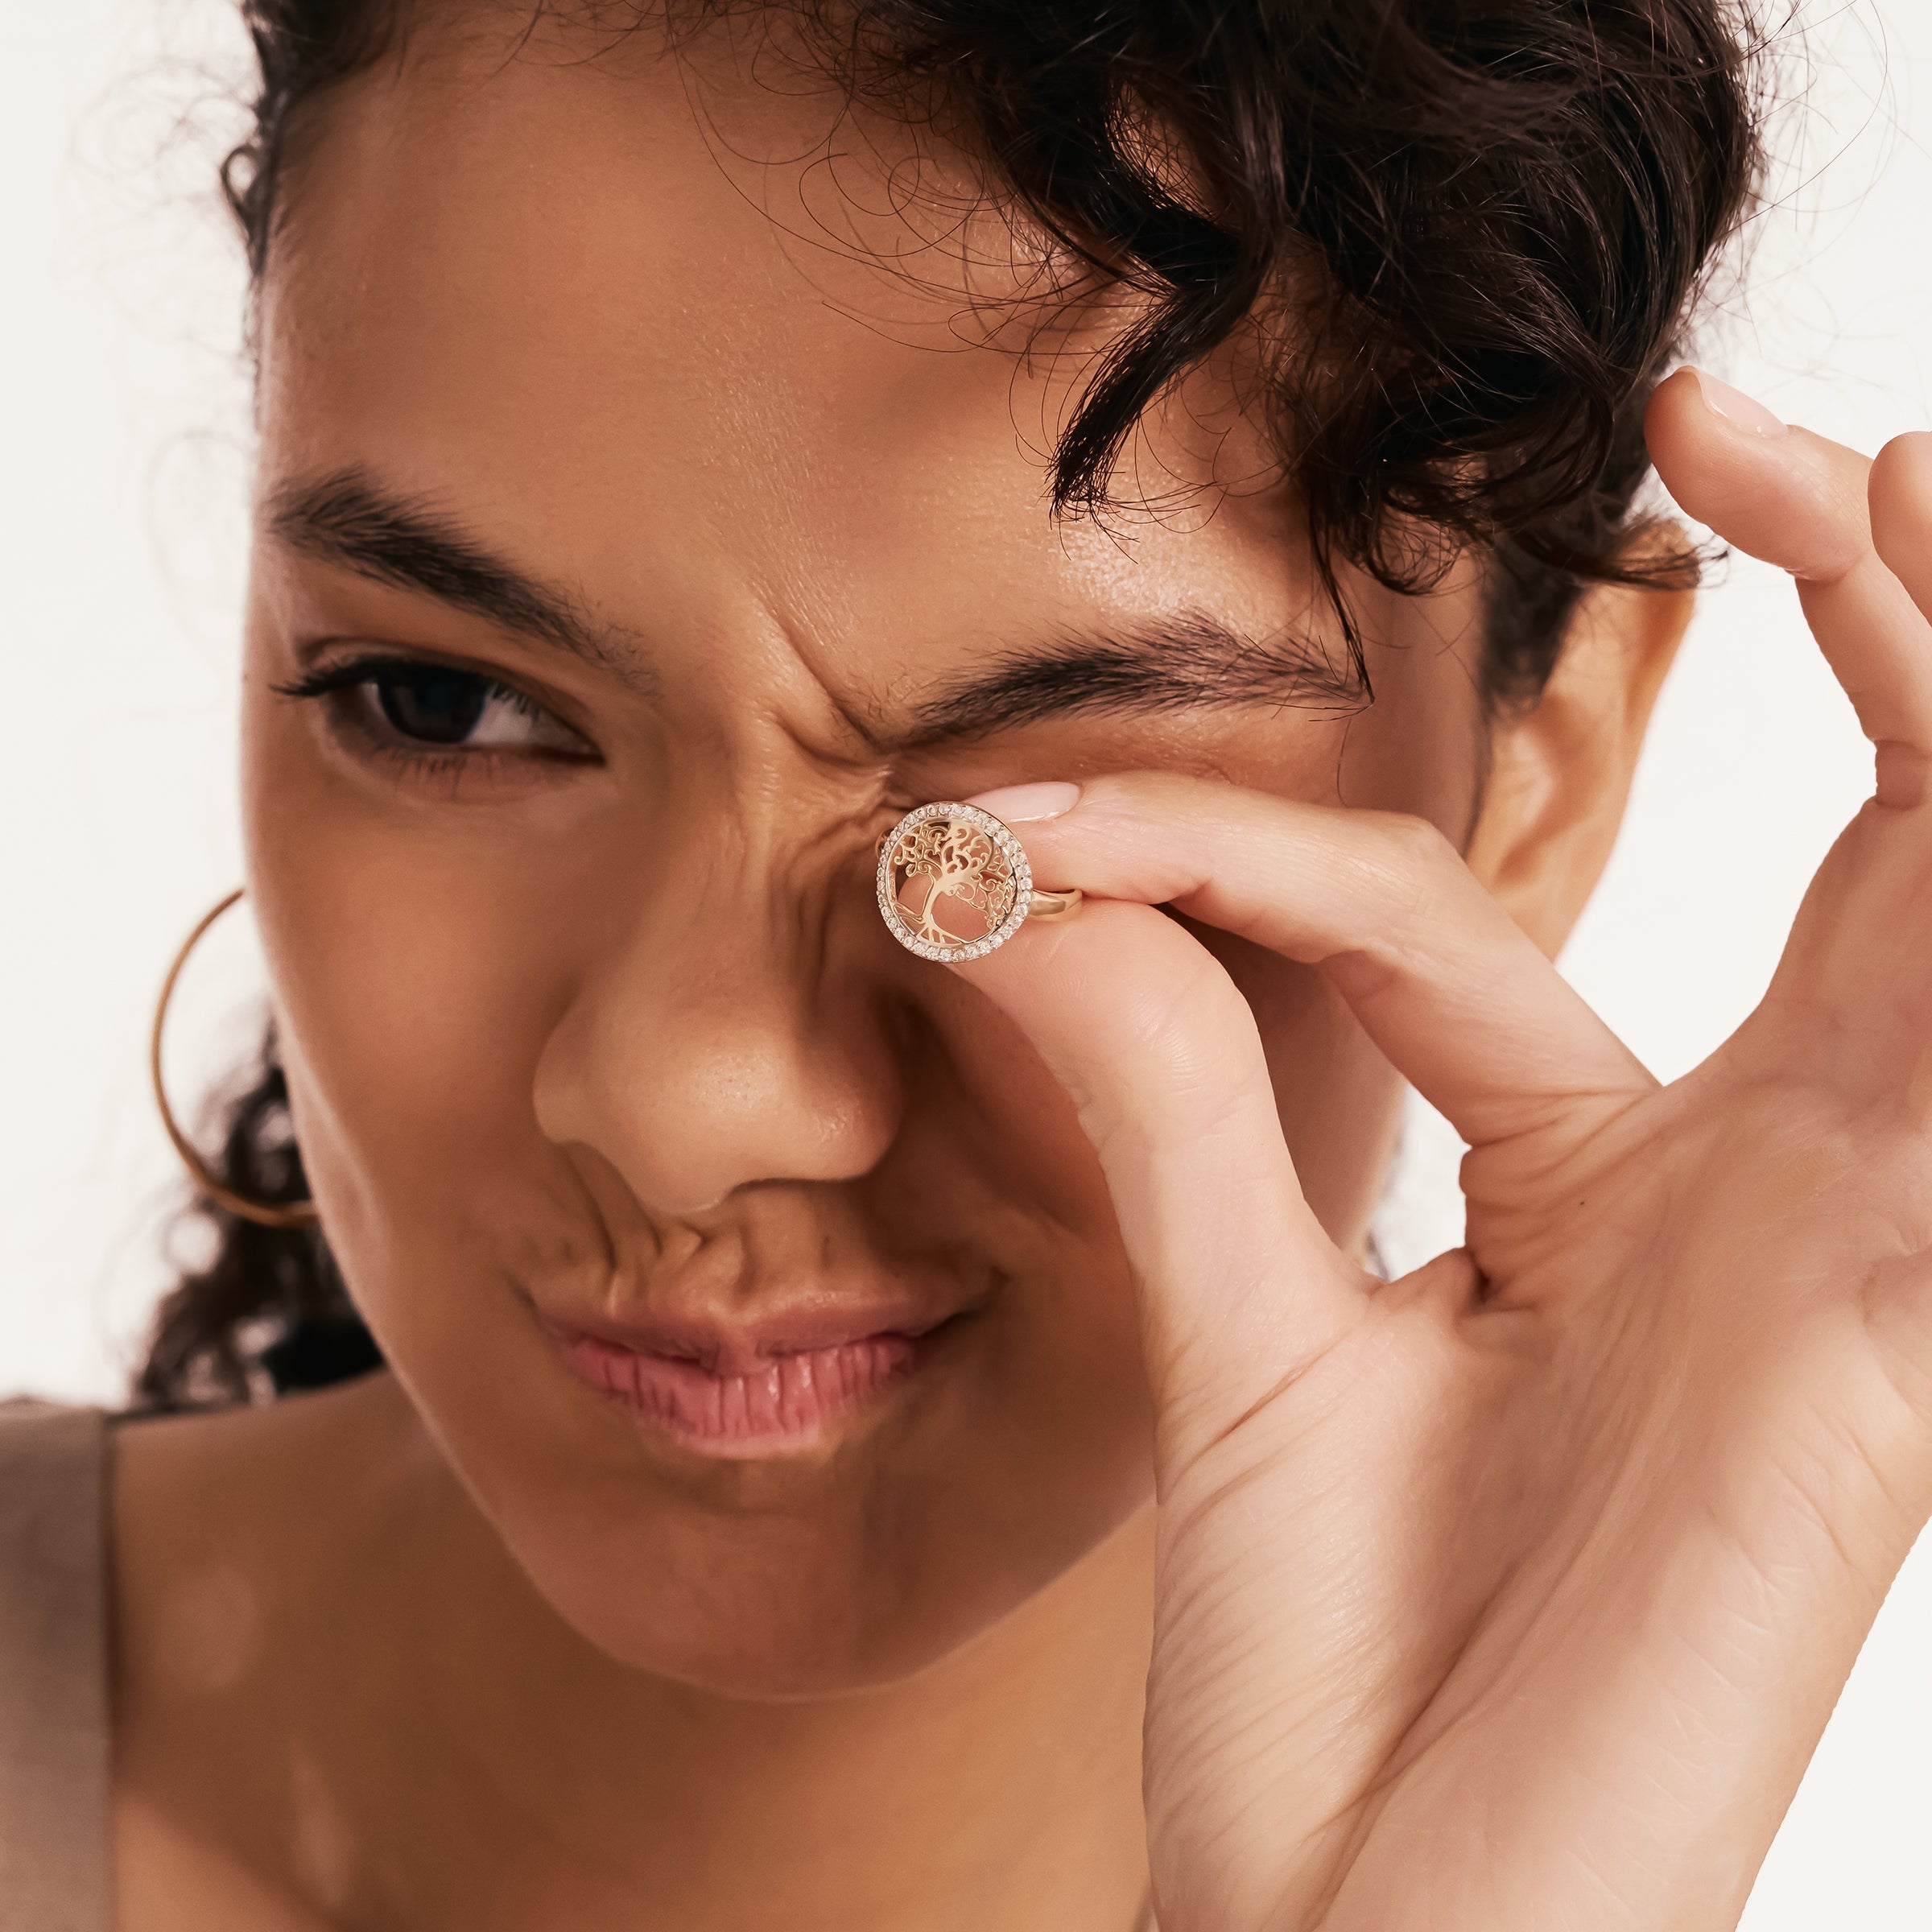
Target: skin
{"points": [[1514, 1593]]}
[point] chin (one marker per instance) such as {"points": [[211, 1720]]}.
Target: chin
{"points": [[778, 1609], [811, 1581]]}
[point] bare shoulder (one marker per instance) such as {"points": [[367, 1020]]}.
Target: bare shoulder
{"points": [[219, 1519], [205, 1477], [237, 1537]]}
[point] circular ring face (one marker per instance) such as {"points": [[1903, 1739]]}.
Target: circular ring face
{"points": [[954, 882]]}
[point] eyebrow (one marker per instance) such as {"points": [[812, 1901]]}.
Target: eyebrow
{"points": [[347, 518], [1192, 658]]}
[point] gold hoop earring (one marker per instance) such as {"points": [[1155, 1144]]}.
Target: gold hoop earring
{"points": [[267, 1214]]}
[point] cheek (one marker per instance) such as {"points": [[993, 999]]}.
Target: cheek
{"points": [[417, 971]]}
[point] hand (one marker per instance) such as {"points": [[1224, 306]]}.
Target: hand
{"points": [[1516, 1593]]}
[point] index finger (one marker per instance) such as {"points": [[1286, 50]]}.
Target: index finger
{"points": [[1441, 978], [1800, 501]]}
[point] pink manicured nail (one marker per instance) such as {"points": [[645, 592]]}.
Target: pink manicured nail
{"points": [[1735, 407], [1016, 804]]}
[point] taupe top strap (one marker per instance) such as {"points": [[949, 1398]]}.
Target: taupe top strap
{"points": [[55, 1857]]}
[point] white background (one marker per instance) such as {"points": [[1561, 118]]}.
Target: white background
{"points": [[120, 515]]}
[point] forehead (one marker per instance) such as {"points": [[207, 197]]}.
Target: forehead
{"points": [[688, 340]]}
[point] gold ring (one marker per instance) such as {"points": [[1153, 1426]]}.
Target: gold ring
{"points": [[954, 883]]}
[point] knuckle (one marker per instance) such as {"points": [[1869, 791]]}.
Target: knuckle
{"points": [[1410, 833], [1169, 1016], [1199, 1066], [1135, 793], [1415, 847]]}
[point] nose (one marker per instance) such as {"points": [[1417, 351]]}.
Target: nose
{"points": [[725, 1033]]}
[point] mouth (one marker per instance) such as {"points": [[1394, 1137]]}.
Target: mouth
{"points": [[744, 1392]]}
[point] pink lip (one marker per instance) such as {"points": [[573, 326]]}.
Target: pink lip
{"points": [[775, 1388]]}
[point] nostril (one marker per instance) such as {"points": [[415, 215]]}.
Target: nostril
{"points": [[691, 1092]]}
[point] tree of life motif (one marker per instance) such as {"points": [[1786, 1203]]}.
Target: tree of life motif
{"points": [[962, 863]]}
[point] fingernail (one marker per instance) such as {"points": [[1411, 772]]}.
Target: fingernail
{"points": [[1735, 407], [1016, 804]]}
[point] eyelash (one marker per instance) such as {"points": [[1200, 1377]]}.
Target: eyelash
{"points": [[335, 684]]}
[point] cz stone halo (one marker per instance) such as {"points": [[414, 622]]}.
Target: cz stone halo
{"points": [[954, 883]]}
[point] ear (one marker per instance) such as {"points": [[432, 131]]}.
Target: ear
{"points": [[1560, 773]]}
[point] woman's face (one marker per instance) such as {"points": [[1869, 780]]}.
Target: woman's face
{"points": [[652, 509]]}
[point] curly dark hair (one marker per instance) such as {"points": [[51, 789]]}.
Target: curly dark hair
{"points": [[1467, 235]]}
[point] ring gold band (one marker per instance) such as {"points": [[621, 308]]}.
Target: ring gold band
{"points": [[1053, 905]]}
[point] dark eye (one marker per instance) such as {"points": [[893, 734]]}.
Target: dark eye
{"points": [[439, 704], [436, 704], [418, 701]]}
